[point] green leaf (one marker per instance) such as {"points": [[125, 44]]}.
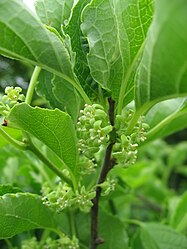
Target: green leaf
{"points": [[157, 236], [24, 37], [80, 47], [113, 231], [59, 94], [166, 118], [54, 13], [44, 89], [32, 42], [67, 96], [179, 217], [22, 212], [116, 31], [162, 72], [53, 127]]}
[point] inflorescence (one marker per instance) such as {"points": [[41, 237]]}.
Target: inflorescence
{"points": [[12, 97], [94, 133]]}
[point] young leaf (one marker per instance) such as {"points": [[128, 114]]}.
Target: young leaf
{"points": [[54, 13], [163, 69], [53, 127], [22, 212], [157, 236], [67, 96], [179, 217], [59, 93], [116, 31], [44, 89], [80, 46]]}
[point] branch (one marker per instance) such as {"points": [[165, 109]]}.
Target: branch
{"points": [[32, 85], [108, 164]]}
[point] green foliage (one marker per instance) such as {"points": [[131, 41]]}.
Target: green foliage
{"points": [[179, 216], [154, 83], [23, 211], [46, 125], [114, 41], [168, 238], [110, 78]]}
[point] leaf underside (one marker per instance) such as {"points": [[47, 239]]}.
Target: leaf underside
{"points": [[53, 127], [22, 212]]}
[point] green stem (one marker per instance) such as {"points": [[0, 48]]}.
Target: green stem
{"points": [[32, 85], [81, 91], [135, 222], [9, 244], [44, 237], [133, 121], [72, 223], [124, 84], [11, 140], [137, 114], [48, 163]]}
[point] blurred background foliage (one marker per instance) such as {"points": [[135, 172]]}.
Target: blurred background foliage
{"points": [[13, 73]]}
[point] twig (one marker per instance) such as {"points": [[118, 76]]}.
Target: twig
{"points": [[108, 164]]}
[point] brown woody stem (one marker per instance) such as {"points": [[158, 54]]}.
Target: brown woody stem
{"points": [[108, 164]]}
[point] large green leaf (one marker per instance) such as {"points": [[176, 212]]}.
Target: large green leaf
{"points": [[22, 212], [53, 127], [116, 31], [54, 13], [166, 118], [157, 236], [163, 69], [24, 37]]}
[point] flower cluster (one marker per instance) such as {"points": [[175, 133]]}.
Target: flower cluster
{"points": [[58, 198], [63, 196], [12, 96], [86, 165], [93, 130], [125, 148], [64, 242]]}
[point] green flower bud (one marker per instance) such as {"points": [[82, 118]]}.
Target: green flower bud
{"points": [[97, 124], [97, 106], [106, 130], [124, 140], [100, 114]]}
